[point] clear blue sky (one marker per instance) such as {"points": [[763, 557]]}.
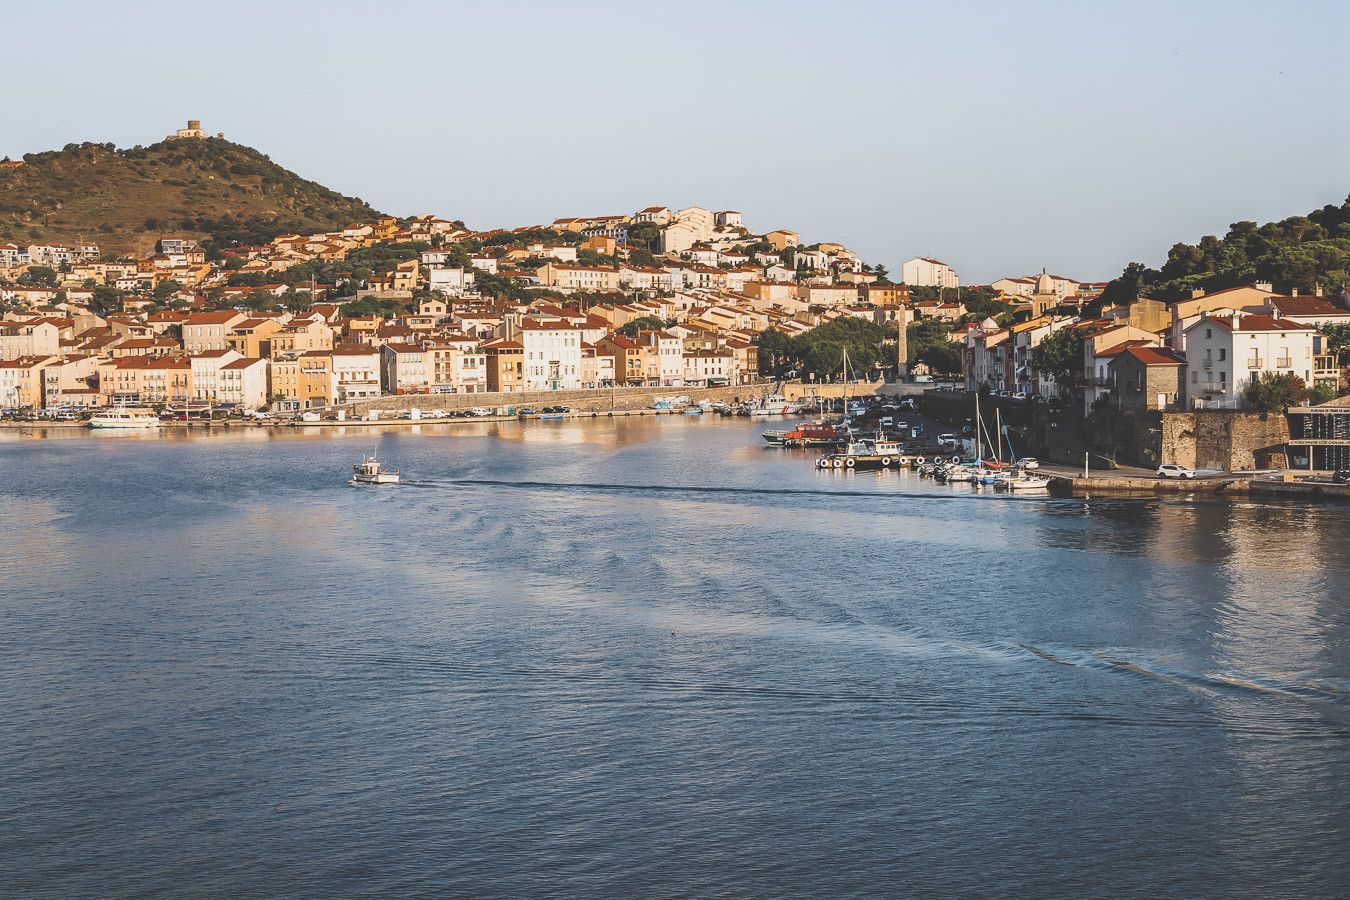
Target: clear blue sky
{"points": [[1000, 137]]}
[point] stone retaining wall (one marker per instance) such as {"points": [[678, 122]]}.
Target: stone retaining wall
{"points": [[1225, 440]]}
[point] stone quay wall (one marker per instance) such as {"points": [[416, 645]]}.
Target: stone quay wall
{"points": [[1226, 440]]}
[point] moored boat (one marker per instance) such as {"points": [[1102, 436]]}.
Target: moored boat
{"points": [[772, 405], [124, 417]]}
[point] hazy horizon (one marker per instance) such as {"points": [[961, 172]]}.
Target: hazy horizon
{"points": [[1001, 140]]}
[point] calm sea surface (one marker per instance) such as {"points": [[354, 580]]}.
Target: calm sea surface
{"points": [[651, 658]]}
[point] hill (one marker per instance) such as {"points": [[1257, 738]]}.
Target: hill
{"points": [[1303, 252], [123, 200]]}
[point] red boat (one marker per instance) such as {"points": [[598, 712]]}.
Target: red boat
{"points": [[809, 434]]}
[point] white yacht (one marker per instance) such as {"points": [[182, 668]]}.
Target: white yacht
{"points": [[772, 405], [124, 417], [371, 472]]}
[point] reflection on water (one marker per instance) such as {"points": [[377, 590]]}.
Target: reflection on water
{"points": [[651, 656]]}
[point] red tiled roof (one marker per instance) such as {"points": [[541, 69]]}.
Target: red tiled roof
{"points": [[1156, 356]]}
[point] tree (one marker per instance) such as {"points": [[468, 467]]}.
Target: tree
{"points": [[1338, 338], [43, 276], [106, 299], [641, 323], [1275, 392], [164, 290], [1321, 393], [1060, 356], [945, 358]]}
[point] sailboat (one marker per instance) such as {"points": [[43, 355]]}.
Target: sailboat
{"points": [[1019, 479]]}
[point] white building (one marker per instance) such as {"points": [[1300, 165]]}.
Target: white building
{"points": [[244, 383], [206, 368], [356, 373], [709, 368], [923, 271], [552, 355], [449, 281], [1226, 352]]}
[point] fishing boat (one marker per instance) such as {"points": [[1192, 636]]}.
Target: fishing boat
{"points": [[124, 417], [370, 471], [808, 434], [865, 454]]}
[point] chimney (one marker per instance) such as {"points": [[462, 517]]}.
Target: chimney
{"points": [[1293, 292], [1317, 290]]}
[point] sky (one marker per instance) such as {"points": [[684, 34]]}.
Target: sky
{"points": [[1002, 138]]}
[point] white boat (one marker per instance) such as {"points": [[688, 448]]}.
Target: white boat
{"points": [[124, 417], [772, 405], [370, 472], [1027, 483]]}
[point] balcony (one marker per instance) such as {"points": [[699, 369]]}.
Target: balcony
{"points": [[1284, 362], [1256, 362]]}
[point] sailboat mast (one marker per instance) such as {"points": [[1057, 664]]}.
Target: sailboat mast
{"points": [[998, 433], [979, 448]]}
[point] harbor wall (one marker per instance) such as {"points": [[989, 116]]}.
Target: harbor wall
{"points": [[1225, 440], [603, 399]]}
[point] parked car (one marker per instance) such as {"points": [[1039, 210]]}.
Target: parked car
{"points": [[262, 416], [1171, 471], [480, 412], [526, 411], [1019, 395], [1341, 476], [1029, 462]]}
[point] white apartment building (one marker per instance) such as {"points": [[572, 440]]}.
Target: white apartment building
{"points": [[453, 281], [579, 278], [36, 337], [923, 271], [206, 369], [356, 373], [552, 355], [1225, 353], [245, 383], [709, 368], [207, 330]]}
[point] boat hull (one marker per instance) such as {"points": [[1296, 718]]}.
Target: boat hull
{"points": [[382, 478], [124, 425]]}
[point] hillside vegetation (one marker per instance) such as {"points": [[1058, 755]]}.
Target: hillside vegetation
{"points": [[1301, 252], [123, 200]]}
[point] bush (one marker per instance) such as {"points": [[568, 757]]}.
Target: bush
{"points": [[1274, 392]]}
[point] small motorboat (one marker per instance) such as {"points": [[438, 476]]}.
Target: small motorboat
{"points": [[371, 472]]}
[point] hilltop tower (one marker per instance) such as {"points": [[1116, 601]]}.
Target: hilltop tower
{"points": [[193, 130]]}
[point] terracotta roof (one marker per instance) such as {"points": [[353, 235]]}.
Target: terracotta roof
{"points": [[1155, 356], [223, 317], [1256, 323], [1306, 306]]}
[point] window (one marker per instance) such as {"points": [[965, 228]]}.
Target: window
{"points": [[1223, 354]]}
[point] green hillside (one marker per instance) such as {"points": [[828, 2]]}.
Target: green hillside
{"points": [[123, 200], [1301, 252]]}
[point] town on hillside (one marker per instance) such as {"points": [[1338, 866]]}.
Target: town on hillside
{"points": [[660, 297]]}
